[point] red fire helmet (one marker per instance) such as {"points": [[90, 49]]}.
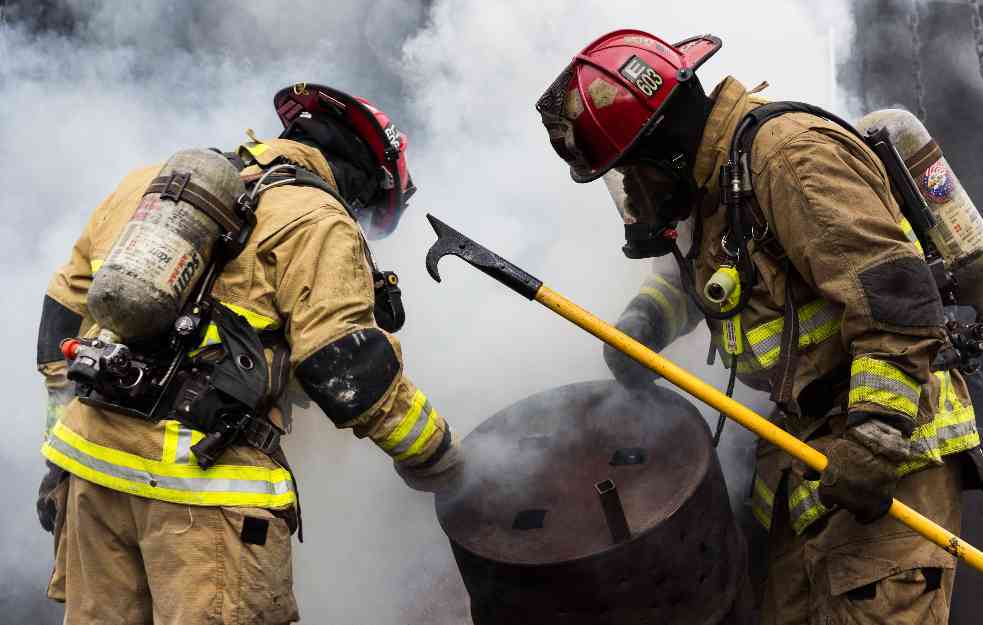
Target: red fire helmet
{"points": [[386, 143], [613, 93]]}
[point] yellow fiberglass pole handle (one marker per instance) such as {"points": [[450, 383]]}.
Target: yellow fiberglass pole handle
{"points": [[743, 415], [453, 243]]}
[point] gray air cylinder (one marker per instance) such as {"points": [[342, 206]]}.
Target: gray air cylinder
{"points": [[959, 233], [162, 251], [587, 505]]}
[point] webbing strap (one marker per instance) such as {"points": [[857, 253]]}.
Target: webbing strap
{"points": [[178, 187], [782, 383], [756, 118]]}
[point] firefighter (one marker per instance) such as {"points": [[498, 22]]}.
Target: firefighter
{"points": [[831, 309], [142, 533]]}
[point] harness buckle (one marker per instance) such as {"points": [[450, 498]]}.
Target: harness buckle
{"points": [[262, 435], [175, 185]]}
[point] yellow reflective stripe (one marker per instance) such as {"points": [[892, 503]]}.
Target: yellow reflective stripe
{"points": [[910, 233], [171, 429], [733, 329], [256, 320], [763, 517], [406, 423], [196, 437], [879, 382], [679, 295], [220, 485], [951, 431], [211, 336], [765, 341], [804, 506], [256, 148], [818, 321], [763, 491], [95, 264], [178, 440], [669, 298], [132, 461], [662, 302], [422, 439]]}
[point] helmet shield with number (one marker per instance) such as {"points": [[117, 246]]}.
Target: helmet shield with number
{"points": [[614, 93]]}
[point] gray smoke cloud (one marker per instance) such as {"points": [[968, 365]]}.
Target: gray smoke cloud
{"points": [[92, 89]]}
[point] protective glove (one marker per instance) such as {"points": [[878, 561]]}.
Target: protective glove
{"points": [[862, 474], [47, 508], [445, 476], [644, 322]]}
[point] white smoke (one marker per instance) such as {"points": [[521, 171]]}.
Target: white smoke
{"points": [[136, 83]]}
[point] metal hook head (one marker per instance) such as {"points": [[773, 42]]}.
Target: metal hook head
{"points": [[450, 241], [446, 238]]}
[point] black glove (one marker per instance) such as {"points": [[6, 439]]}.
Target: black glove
{"points": [[862, 474], [644, 322], [47, 509]]}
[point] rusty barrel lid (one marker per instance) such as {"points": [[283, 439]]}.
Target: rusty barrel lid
{"points": [[530, 496]]}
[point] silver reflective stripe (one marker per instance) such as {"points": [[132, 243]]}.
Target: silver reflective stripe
{"points": [[183, 451], [924, 445], [190, 484], [413, 434], [882, 383], [824, 315], [809, 502]]}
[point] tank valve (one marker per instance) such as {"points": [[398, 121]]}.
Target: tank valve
{"points": [[721, 284]]}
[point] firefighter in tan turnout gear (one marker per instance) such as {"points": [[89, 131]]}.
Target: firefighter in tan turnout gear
{"points": [[824, 301], [144, 532]]}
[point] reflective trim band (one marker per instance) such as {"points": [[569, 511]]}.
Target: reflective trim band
{"points": [[910, 233], [818, 321], [951, 431], [256, 148], [879, 382], [407, 423], [414, 434], [172, 431], [221, 485], [421, 440], [763, 517], [95, 264], [762, 502], [256, 320], [670, 299], [804, 506], [761, 489], [183, 452]]}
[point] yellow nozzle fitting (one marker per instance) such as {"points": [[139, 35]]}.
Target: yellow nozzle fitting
{"points": [[721, 284]]}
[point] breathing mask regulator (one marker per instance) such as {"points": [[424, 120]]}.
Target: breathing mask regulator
{"points": [[359, 183], [657, 174], [657, 197]]}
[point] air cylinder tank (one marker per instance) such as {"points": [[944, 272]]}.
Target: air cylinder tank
{"points": [[959, 233], [587, 504], [163, 250]]}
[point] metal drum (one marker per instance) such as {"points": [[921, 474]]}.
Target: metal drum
{"points": [[589, 505]]}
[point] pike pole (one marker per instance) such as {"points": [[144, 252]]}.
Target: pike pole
{"points": [[452, 242]]}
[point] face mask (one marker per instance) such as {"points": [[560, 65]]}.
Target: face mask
{"points": [[654, 199]]}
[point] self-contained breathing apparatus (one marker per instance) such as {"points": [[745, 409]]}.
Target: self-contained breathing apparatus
{"points": [[951, 239], [152, 300]]}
